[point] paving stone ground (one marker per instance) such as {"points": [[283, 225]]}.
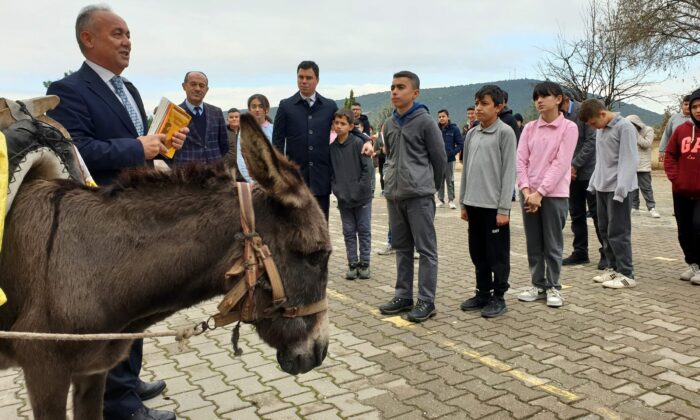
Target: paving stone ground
{"points": [[606, 354]]}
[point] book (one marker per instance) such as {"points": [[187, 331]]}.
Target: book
{"points": [[169, 119]]}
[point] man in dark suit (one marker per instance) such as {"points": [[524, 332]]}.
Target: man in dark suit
{"points": [[207, 141], [104, 114], [302, 130]]}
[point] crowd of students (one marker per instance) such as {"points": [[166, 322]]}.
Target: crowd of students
{"points": [[542, 159]]}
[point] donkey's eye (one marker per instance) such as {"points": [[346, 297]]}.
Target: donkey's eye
{"points": [[315, 258]]}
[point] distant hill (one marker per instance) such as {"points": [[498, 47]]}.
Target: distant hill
{"points": [[456, 99]]}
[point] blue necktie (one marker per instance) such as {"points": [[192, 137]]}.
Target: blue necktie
{"points": [[197, 111], [118, 84]]}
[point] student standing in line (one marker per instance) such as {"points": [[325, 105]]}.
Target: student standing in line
{"points": [[645, 137], [350, 183], [414, 170], [544, 174], [485, 200], [682, 164], [613, 179]]}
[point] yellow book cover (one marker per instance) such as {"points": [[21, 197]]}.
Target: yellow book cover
{"points": [[168, 120]]}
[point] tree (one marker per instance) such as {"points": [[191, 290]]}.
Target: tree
{"points": [[601, 64], [382, 115], [349, 101], [47, 83], [669, 27]]}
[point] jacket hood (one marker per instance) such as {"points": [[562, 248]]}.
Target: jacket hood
{"points": [[638, 123], [505, 111], [694, 97], [401, 119]]}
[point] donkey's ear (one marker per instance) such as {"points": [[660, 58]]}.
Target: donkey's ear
{"points": [[272, 171]]}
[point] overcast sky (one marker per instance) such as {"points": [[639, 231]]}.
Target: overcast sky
{"points": [[248, 47]]}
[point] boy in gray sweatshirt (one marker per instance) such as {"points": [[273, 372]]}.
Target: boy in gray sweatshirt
{"points": [[614, 177], [485, 195], [413, 171]]}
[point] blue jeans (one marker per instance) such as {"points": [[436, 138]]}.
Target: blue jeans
{"points": [[357, 224]]}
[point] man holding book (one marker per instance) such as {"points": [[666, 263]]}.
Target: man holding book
{"points": [[104, 115], [207, 141]]}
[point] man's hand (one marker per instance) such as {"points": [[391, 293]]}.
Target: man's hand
{"points": [[661, 157], [178, 139], [502, 219], [153, 145], [573, 173], [368, 149], [464, 215]]}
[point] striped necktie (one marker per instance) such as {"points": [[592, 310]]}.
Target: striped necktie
{"points": [[118, 84]]}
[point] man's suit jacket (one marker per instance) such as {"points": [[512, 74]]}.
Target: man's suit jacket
{"points": [[98, 123], [213, 146], [303, 135]]}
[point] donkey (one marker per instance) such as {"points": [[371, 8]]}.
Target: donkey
{"points": [[120, 258]]}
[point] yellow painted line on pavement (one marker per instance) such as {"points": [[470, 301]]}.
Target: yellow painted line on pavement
{"points": [[665, 259], [495, 364]]}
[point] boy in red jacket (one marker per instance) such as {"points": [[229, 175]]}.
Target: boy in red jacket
{"points": [[682, 165]]}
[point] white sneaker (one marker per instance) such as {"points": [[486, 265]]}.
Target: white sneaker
{"points": [[532, 294], [696, 279], [692, 270], [554, 298], [440, 204], [655, 214], [452, 205], [635, 212], [608, 274], [620, 281], [387, 250]]}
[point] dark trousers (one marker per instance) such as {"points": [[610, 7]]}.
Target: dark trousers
{"points": [[644, 182], [544, 239], [381, 160], [121, 399], [489, 249], [615, 226], [687, 212], [357, 224], [579, 197], [324, 201], [412, 223]]}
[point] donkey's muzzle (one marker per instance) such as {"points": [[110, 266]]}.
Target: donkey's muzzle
{"points": [[295, 363]]}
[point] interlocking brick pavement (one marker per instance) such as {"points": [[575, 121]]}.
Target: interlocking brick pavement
{"points": [[607, 354]]}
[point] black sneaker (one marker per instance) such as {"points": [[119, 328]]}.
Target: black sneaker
{"points": [[475, 303], [352, 271], [363, 270], [495, 307], [396, 305], [574, 259], [422, 311]]}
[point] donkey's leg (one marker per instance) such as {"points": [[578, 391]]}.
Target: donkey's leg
{"points": [[47, 387], [88, 393]]}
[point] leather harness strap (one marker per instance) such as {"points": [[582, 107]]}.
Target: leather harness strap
{"points": [[256, 260]]}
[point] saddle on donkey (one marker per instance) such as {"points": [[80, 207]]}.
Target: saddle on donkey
{"points": [[33, 146]]}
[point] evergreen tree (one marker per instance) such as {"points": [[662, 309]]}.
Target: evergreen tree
{"points": [[349, 101]]}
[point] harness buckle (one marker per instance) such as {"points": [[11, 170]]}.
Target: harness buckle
{"points": [[290, 312]]}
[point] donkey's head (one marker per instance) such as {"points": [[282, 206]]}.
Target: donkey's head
{"points": [[291, 223]]}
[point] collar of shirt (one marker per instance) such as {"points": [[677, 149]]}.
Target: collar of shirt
{"points": [[104, 74], [191, 107], [307, 98], [556, 123], [490, 129], [614, 121]]}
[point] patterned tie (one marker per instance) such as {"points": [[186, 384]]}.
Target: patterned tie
{"points": [[118, 84], [197, 111]]}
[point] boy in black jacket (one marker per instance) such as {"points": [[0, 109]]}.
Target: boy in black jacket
{"points": [[350, 182]]}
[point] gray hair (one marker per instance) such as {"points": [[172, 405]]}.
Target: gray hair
{"points": [[84, 20]]}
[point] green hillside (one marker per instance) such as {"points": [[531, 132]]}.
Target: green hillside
{"points": [[456, 99]]}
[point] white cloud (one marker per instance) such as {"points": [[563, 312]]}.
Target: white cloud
{"points": [[248, 47]]}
